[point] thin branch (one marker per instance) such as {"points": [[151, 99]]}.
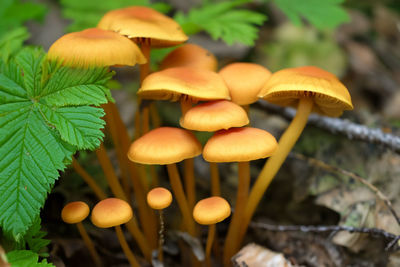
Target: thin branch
{"points": [[350, 129], [330, 228], [356, 177]]}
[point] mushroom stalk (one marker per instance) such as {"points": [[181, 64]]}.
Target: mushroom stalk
{"points": [[241, 199], [190, 184], [88, 179], [181, 198], [145, 68], [273, 164], [215, 184], [125, 247], [210, 241], [161, 237], [89, 244]]}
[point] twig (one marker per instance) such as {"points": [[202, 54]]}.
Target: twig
{"points": [[350, 129], [330, 228], [356, 177]]}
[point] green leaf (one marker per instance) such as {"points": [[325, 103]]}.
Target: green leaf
{"points": [[86, 14], [43, 121], [34, 238], [26, 258], [321, 13], [11, 42], [223, 21]]}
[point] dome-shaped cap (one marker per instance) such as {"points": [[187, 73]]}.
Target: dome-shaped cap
{"points": [[286, 86], [213, 116], [211, 210], [75, 212], [139, 22], [111, 212], [164, 145], [159, 198], [190, 55], [239, 144], [244, 81], [95, 47], [191, 83]]}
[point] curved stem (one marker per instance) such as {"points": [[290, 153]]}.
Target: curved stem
{"points": [[190, 184], [177, 188], [125, 247], [215, 182], [241, 199], [210, 240], [89, 244], [273, 164], [88, 179]]}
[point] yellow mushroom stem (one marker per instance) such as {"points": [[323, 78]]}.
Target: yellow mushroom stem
{"points": [[89, 244], [186, 104], [88, 179], [273, 164], [241, 199], [190, 184], [215, 181], [119, 193], [183, 204], [145, 68], [210, 241], [125, 247]]}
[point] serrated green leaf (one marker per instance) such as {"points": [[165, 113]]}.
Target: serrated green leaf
{"points": [[86, 14], [26, 258], [42, 123], [322, 14], [223, 21], [34, 237], [79, 126], [11, 42]]}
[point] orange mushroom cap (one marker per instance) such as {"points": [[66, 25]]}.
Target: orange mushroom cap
{"points": [[75, 212], [244, 81], [190, 55], [213, 116], [211, 210], [140, 23], [159, 198], [191, 83], [111, 212], [164, 145], [286, 86], [95, 47], [239, 144]]}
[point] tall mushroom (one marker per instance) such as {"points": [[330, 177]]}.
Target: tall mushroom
{"points": [[309, 89], [239, 145]]}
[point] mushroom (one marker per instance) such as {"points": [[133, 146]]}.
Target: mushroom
{"points": [[210, 211], [112, 212], [167, 146], [95, 47], [244, 81], [159, 198], [74, 213], [190, 55], [310, 89], [239, 145]]}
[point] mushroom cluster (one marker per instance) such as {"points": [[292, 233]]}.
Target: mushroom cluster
{"points": [[210, 101]]}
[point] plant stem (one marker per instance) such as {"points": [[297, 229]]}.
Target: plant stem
{"points": [[241, 199], [190, 184], [273, 164], [161, 236], [125, 247], [215, 182], [88, 179], [181, 198], [89, 244], [210, 240]]}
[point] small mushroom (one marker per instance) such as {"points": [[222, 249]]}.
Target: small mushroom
{"points": [[112, 212], [160, 198], [74, 213], [210, 211]]}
